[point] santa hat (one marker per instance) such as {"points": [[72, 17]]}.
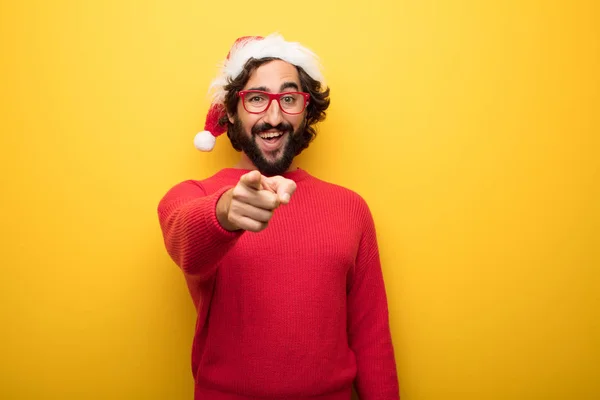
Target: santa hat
{"points": [[243, 49]]}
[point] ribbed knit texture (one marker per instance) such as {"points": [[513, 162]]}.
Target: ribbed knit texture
{"points": [[296, 311]]}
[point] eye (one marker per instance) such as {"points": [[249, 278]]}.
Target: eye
{"points": [[288, 99], [255, 98]]}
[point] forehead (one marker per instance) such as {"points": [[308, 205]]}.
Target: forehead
{"points": [[272, 75]]}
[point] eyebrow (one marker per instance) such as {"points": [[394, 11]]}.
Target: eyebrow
{"points": [[285, 85]]}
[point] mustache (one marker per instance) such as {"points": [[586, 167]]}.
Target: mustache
{"points": [[282, 127]]}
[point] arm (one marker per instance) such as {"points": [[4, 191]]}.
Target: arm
{"points": [[199, 229], [368, 323], [192, 234]]}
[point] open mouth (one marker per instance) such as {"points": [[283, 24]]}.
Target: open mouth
{"points": [[270, 137]]}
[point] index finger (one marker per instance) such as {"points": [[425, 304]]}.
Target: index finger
{"points": [[252, 180]]}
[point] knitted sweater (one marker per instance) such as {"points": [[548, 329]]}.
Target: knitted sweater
{"points": [[296, 311]]}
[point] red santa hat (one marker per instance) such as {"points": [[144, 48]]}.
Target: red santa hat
{"points": [[243, 49]]}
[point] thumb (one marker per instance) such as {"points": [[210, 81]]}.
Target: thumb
{"points": [[251, 180], [284, 188]]}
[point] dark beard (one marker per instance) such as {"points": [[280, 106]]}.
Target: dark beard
{"points": [[248, 145]]}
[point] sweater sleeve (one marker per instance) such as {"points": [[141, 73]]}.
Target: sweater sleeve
{"points": [[368, 322], [192, 234]]}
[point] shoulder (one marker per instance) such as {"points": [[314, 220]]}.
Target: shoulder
{"points": [[336, 194], [193, 188], [336, 188], [204, 185]]}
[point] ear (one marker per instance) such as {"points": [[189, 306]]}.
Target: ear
{"points": [[230, 117]]}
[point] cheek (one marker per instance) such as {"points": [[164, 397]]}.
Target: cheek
{"points": [[296, 121], [248, 121]]}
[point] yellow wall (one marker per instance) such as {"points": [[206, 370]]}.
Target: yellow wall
{"points": [[471, 130]]}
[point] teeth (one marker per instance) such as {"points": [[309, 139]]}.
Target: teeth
{"points": [[268, 135]]}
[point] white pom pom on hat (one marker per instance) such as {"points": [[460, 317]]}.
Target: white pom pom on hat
{"points": [[243, 49], [204, 141]]}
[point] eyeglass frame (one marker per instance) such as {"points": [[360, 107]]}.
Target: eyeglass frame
{"points": [[274, 96]]}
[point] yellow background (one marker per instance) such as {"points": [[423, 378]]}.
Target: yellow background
{"points": [[470, 127]]}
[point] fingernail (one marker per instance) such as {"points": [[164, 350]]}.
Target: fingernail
{"points": [[285, 197]]}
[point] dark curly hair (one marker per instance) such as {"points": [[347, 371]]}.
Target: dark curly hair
{"points": [[315, 111]]}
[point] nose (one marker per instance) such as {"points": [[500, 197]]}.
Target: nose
{"points": [[273, 115]]}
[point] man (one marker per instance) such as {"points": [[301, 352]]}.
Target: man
{"points": [[283, 268]]}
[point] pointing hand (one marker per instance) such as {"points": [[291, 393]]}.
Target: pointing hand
{"points": [[251, 203]]}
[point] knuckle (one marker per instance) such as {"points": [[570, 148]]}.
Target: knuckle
{"points": [[268, 200], [267, 216], [257, 226], [233, 217], [234, 208], [273, 200], [238, 192], [244, 225]]}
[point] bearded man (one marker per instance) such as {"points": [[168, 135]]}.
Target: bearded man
{"points": [[283, 267]]}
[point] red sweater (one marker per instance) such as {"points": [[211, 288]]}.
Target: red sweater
{"points": [[297, 311]]}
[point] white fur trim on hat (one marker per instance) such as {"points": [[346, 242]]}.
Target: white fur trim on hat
{"points": [[273, 45]]}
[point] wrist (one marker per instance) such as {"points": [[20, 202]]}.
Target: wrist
{"points": [[222, 211]]}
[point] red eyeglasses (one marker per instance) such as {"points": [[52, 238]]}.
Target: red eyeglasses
{"points": [[257, 101]]}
